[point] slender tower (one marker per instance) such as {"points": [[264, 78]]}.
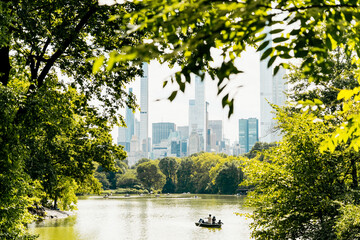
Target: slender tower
{"points": [[272, 91], [197, 113], [144, 117], [266, 95]]}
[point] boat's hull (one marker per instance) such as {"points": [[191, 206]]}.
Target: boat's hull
{"points": [[209, 225]]}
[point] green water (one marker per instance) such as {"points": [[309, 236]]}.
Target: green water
{"points": [[135, 217]]}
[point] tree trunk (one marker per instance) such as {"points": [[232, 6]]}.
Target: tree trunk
{"points": [[5, 65], [355, 182]]}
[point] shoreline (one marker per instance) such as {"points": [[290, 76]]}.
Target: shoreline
{"points": [[56, 214]]}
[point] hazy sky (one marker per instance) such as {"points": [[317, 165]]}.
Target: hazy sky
{"points": [[247, 97]]}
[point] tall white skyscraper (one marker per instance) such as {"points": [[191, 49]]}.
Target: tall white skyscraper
{"points": [[272, 91], [197, 113], [144, 117]]}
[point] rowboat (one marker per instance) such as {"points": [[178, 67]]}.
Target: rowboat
{"points": [[209, 225]]}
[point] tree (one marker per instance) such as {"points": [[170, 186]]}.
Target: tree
{"points": [[168, 167], [128, 180], [299, 190], [150, 175], [52, 133], [203, 165], [258, 148], [185, 176], [228, 177]]}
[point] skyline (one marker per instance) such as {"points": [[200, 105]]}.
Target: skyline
{"points": [[247, 97]]}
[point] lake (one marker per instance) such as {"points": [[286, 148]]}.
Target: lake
{"points": [[149, 218]]}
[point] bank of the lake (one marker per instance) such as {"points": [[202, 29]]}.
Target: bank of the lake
{"points": [[148, 217]]}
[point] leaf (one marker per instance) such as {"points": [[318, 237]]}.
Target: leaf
{"points": [[275, 31], [266, 53], [172, 96], [318, 102], [279, 39], [271, 61], [263, 45], [165, 83], [225, 100], [98, 63], [276, 70], [345, 94]]}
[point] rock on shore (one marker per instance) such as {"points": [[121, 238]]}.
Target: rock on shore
{"points": [[48, 213], [51, 213]]}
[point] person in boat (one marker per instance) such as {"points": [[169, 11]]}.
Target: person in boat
{"points": [[219, 222], [213, 220], [209, 219], [201, 220]]}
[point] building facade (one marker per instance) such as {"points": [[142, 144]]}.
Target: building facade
{"points": [[161, 131], [248, 134], [144, 108], [272, 91], [197, 113]]}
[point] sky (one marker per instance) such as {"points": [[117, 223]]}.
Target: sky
{"points": [[247, 97]]}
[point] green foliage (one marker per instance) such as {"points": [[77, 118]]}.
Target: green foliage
{"points": [[348, 225], [109, 178], [185, 32], [298, 188], [15, 184], [128, 180], [228, 178], [169, 167], [51, 134], [185, 176], [258, 148], [150, 175], [101, 177]]}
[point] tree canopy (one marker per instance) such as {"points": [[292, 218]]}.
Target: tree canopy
{"points": [[56, 114], [186, 32]]}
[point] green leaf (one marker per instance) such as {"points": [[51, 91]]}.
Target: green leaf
{"points": [[263, 45], [276, 70], [165, 83], [266, 53], [345, 94], [275, 31], [280, 39], [271, 61], [173, 95], [97, 64]]}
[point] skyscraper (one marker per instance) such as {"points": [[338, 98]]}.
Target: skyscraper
{"points": [[125, 133], [248, 134], [217, 129], [243, 136], [144, 104], [130, 124], [272, 91], [184, 132], [161, 131], [197, 113], [253, 131]]}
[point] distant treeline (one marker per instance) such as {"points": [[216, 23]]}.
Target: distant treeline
{"points": [[198, 173]]}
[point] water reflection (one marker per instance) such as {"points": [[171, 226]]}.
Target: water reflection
{"points": [[166, 217]]}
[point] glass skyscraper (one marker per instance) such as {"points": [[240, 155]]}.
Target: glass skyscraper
{"points": [[197, 113], [125, 133], [272, 91], [248, 134], [144, 104], [161, 131]]}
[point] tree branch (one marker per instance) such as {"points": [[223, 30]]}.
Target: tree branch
{"points": [[84, 20], [40, 57]]}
